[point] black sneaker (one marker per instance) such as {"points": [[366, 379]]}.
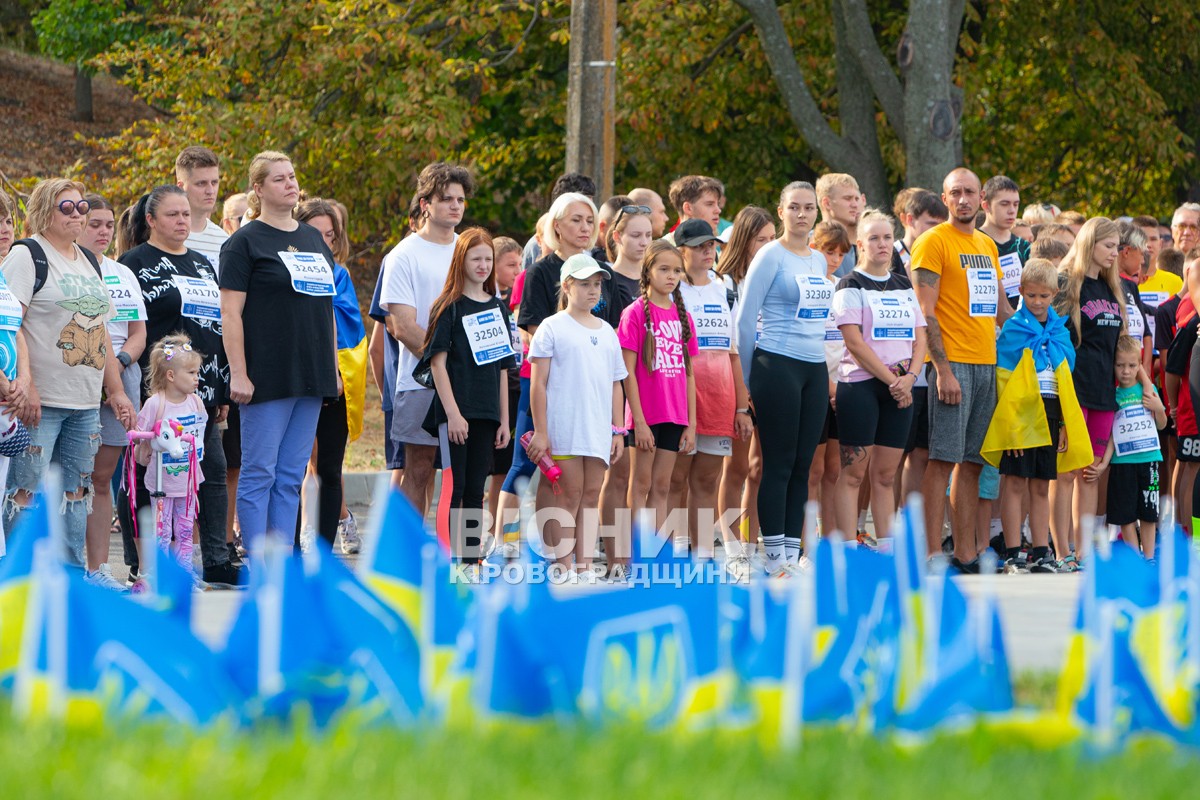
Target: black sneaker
{"points": [[969, 568], [223, 576], [1014, 566], [235, 555], [1045, 564]]}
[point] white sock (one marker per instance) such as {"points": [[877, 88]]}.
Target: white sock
{"points": [[996, 528], [774, 547], [862, 520], [791, 549], [734, 548]]}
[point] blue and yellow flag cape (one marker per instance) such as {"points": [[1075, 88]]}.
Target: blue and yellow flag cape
{"points": [[1026, 346]]}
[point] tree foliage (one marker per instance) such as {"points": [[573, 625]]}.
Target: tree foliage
{"points": [[1083, 102], [76, 31]]}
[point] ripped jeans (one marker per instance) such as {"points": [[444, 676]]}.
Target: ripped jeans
{"points": [[69, 438]]}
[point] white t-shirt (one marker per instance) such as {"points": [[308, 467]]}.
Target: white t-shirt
{"points": [[129, 305], [584, 364], [208, 244], [414, 274]]}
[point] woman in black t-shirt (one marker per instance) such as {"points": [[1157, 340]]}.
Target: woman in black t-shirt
{"points": [[277, 291], [469, 345], [1093, 302], [180, 291]]}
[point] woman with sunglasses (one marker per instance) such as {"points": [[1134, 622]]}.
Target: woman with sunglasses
{"points": [[71, 359], [179, 287]]}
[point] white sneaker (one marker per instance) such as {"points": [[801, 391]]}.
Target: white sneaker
{"points": [[509, 551], [739, 568], [348, 535], [308, 537], [585, 576], [787, 571], [103, 578]]}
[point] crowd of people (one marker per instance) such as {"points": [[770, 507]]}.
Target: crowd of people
{"points": [[1028, 374]]}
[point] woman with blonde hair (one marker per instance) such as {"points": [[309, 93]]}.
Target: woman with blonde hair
{"points": [[277, 289]]}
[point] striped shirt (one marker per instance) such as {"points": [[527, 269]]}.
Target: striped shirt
{"points": [[208, 243]]}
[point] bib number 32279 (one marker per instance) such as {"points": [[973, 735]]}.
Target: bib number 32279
{"points": [[983, 291]]}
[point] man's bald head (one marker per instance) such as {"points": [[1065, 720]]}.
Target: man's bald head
{"points": [[642, 196], [962, 193], [959, 175]]}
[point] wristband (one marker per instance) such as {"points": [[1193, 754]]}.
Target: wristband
{"points": [[619, 431], [124, 358], [742, 411]]}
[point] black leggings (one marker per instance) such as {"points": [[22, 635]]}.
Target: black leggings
{"points": [[460, 506], [791, 398], [333, 431]]}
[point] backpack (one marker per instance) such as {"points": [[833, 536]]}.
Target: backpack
{"points": [[41, 266]]}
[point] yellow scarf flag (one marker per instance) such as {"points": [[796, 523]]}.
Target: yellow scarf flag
{"points": [[1019, 422], [352, 362]]}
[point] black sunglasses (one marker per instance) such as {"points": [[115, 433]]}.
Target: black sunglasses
{"points": [[68, 207], [631, 210]]}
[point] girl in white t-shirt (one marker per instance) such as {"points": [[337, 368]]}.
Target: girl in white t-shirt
{"points": [[576, 404]]}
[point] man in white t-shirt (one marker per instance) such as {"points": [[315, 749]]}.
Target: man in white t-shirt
{"points": [[414, 274], [198, 172]]}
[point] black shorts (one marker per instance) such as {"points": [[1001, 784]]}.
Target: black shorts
{"points": [[918, 432], [502, 459], [1132, 493], [1038, 463], [1188, 450], [872, 416], [830, 430], [667, 435], [231, 438]]}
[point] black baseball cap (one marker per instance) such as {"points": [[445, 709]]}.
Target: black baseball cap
{"points": [[693, 233]]}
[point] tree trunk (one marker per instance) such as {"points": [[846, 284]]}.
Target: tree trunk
{"points": [[856, 113], [83, 95], [932, 103]]}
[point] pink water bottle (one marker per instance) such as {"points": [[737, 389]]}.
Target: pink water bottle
{"points": [[546, 464]]}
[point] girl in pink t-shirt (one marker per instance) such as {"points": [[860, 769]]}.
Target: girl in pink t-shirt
{"points": [[173, 377], [658, 338]]}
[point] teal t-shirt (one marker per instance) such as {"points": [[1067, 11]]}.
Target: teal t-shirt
{"points": [[1135, 434]]}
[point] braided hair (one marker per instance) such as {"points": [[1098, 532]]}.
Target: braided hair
{"points": [[656, 249]]}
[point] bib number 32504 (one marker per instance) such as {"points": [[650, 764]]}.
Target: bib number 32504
{"points": [[488, 335]]}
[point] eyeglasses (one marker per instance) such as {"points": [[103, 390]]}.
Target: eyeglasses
{"points": [[1165, 237], [169, 350], [69, 207], [631, 210]]}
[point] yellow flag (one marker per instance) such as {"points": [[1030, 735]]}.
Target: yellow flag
{"points": [[1019, 421], [352, 362], [1079, 443]]}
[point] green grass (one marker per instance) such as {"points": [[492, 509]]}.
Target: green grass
{"points": [[43, 760]]}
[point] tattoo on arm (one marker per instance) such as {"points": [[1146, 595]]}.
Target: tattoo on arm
{"points": [[933, 340], [926, 277]]}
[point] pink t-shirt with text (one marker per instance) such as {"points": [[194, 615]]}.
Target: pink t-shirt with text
{"points": [[663, 391]]}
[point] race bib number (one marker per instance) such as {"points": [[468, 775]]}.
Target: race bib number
{"points": [[1134, 431], [1047, 383], [10, 310], [516, 341], [832, 332], [489, 337], [1010, 271], [892, 316], [1137, 323], [714, 328], [311, 273], [1155, 299], [982, 292], [124, 299], [816, 297], [199, 297]]}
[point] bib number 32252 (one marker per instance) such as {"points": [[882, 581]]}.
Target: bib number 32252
{"points": [[1134, 431]]}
